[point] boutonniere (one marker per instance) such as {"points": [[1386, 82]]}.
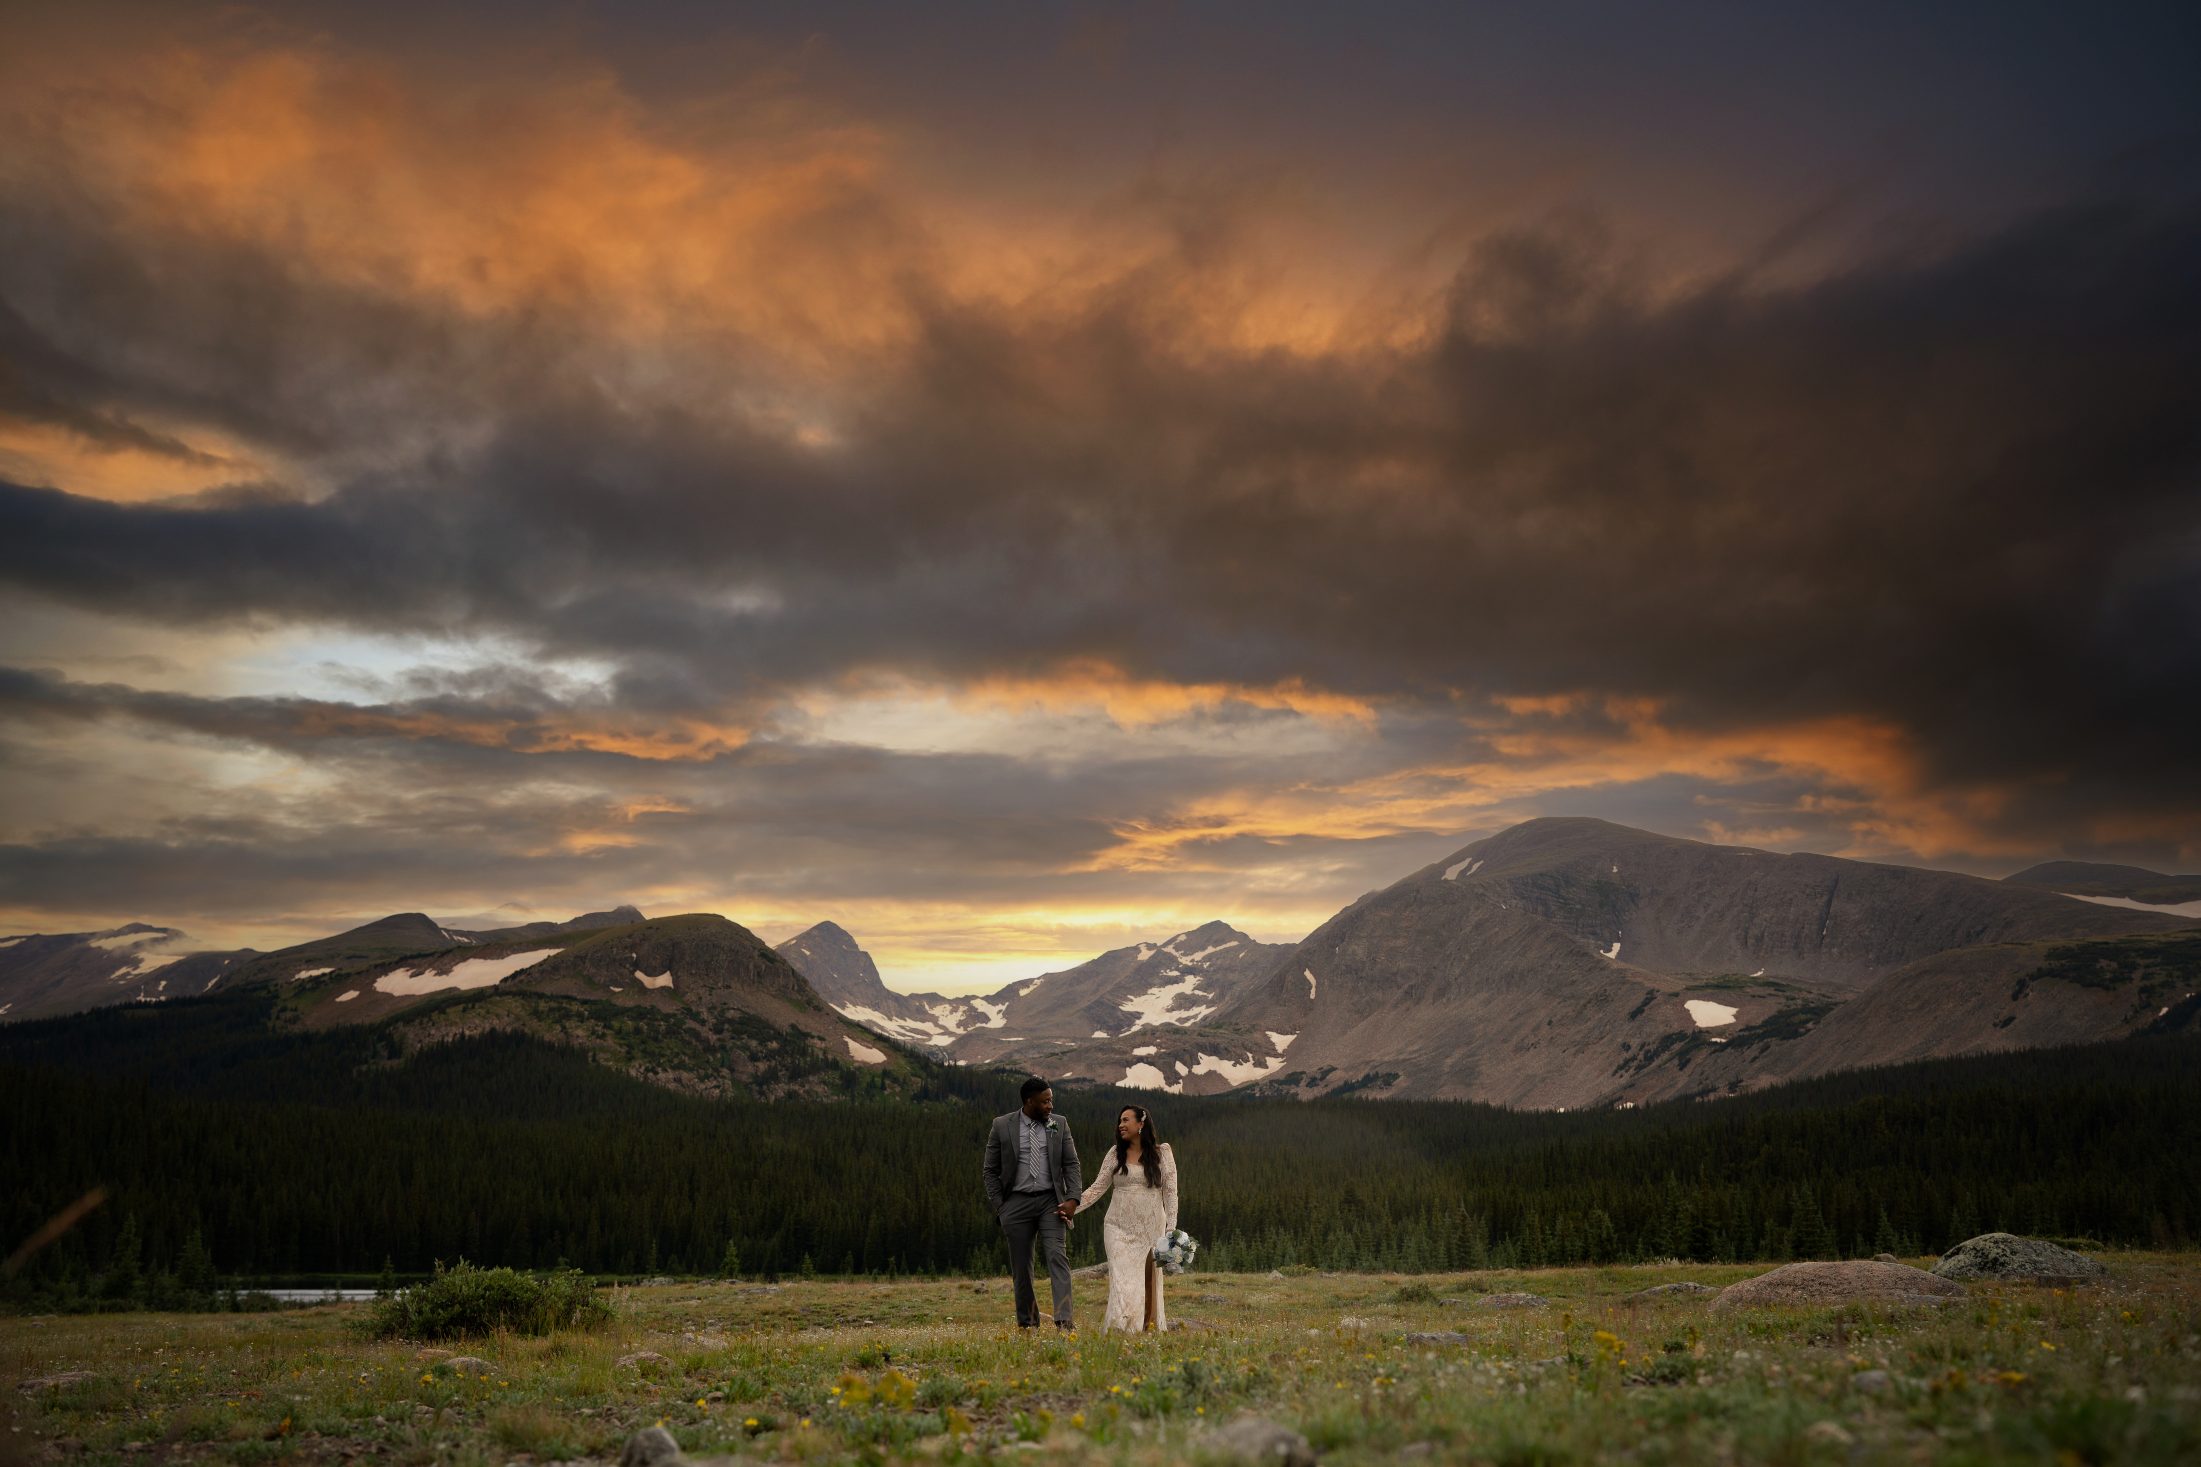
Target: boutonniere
{"points": [[1053, 1124]]}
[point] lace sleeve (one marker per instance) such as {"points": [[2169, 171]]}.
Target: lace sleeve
{"points": [[1169, 1187], [1092, 1194]]}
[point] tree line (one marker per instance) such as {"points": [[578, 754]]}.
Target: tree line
{"points": [[319, 1155]]}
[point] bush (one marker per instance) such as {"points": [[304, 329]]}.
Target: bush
{"points": [[465, 1300]]}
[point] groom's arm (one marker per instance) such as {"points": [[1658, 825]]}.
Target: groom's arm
{"points": [[1068, 1204], [992, 1170]]}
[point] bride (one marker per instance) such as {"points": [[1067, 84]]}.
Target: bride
{"points": [[1144, 1209]]}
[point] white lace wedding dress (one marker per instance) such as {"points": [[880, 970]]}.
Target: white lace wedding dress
{"points": [[1138, 1215]]}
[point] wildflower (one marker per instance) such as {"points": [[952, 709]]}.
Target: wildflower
{"points": [[1077, 1419], [806, 1421], [2046, 1346], [750, 1422]]}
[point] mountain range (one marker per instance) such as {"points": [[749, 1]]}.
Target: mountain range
{"points": [[1563, 963], [1572, 962]]}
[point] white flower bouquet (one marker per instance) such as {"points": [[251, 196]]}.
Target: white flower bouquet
{"points": [[1174, 1250]]}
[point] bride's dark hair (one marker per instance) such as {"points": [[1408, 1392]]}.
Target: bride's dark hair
{"points": [[1150, 1150]]}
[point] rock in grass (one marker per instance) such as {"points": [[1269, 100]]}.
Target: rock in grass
{"points": [[2025, 1260], [466, 1365], [1674, 1291], [1439, 1337], [1256, 1439], [1506, 1301], [56, 1382], [642, 1359], [652, 1446], [1872, 1382], [1858, 1281]]}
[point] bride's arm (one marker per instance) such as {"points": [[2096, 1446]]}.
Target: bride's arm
{"points": [[1092, 1194], [1169, 1186]]}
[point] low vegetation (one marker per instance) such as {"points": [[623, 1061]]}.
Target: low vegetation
{"points": [[463, 1301], [924, 1371]]}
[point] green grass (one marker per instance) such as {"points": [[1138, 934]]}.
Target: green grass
{"points": [[933, 1371]]}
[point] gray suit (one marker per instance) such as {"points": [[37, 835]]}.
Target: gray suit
{"points": [[1028, 1215]]}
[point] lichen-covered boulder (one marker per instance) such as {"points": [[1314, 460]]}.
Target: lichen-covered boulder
{"points": [[1685, 1290], [1858, 1281], [2010, 1257], [1256, 1439]]}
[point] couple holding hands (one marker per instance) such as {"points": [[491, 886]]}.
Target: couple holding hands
{"points": [[1033, 1183]]}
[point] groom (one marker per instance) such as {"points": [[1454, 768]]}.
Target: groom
{"points": [[1031, 1173]]}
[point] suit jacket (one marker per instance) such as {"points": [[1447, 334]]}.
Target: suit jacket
{"points": [[1005, 1157]]}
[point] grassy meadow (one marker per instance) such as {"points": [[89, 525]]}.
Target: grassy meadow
{"points": [[933, 1370]]}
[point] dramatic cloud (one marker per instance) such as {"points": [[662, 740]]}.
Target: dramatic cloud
{"points": [[569, 485]]}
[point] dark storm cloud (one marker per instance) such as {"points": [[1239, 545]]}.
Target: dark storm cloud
{"points": [[1950, 488]]}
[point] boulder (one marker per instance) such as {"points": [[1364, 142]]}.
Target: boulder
{"points": [[652, 1446], [1885, 1258], [56, 1382], [465, 1365], [1858, 1281], [1439, 1337], [1256, 1439], [1675, 1291], [2025, 1260], [1506, 1301], [641, 1358]]}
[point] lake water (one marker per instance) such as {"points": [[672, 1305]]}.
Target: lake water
{"points": [[316, 1296]]}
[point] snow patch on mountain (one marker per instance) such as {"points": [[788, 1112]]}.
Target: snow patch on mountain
{"points": [[1237, 1072], [303, 974], [1150, 1077], [1612, 952], [1709, 1015], [347, 995], [113, 940], [654, 980], [1460, 868], [2168, 909], [1281, 1041], [864, 1053], [473, 973], [1157, 1004], [1310, 981]]}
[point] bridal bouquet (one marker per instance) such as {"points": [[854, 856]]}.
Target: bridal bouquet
{"points": [[1173, 1250]]}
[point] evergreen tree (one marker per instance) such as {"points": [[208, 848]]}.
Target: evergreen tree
{"points": [[124, 1282], [195, 1269], [1810, 1237], [1884, 1239]]}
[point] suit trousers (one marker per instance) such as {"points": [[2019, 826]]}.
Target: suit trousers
{"points": [[1024, 1216]]}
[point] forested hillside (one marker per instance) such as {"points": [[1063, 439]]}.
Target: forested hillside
{"points": [[313, 1153]]}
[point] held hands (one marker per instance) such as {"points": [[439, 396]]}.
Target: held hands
{"points": [[1066, 1207]]}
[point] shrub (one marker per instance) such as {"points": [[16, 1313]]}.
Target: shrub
{"points": [[465, 1300]]}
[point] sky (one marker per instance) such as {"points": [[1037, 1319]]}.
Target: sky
{"points": [[1021, 479]]}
